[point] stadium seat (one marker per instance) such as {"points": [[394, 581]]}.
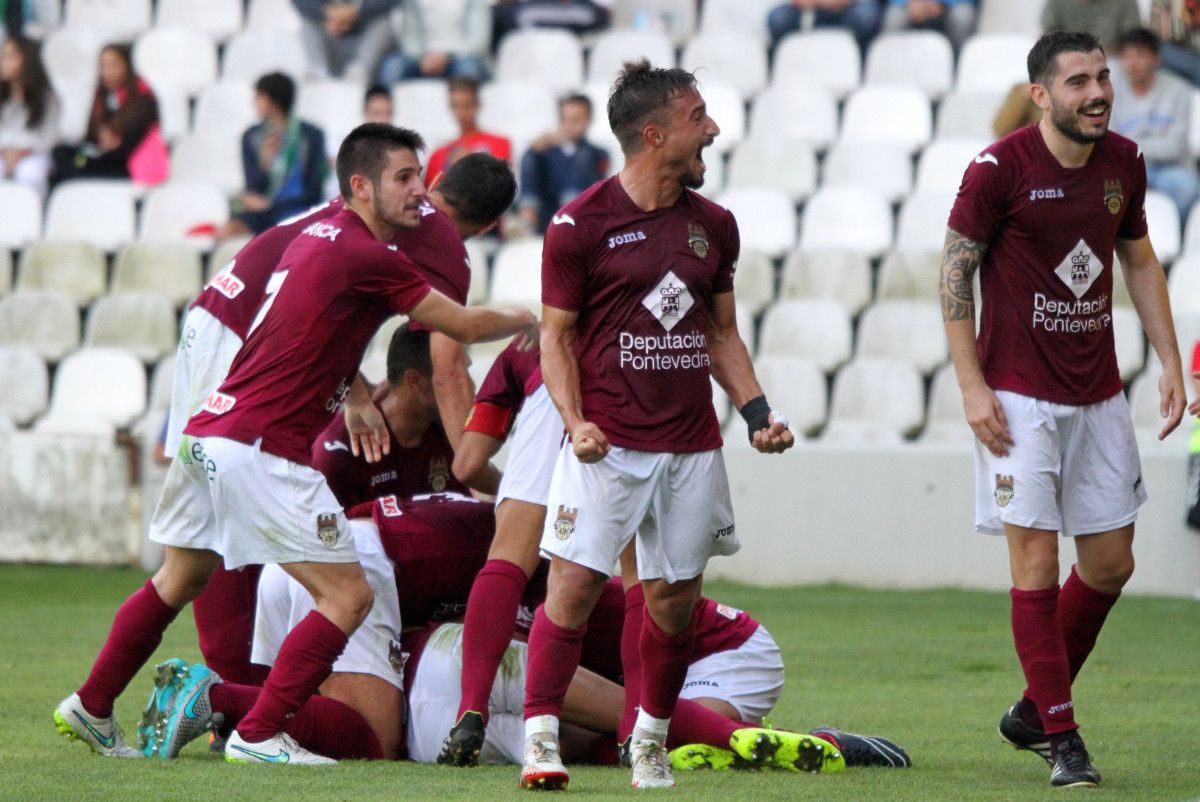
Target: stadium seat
{"points": [[795, 112], [75, 101], [993, 62], [1162, 217], [204, 158], [737, 58], [1129, 341], [140, 323], [797, 387], [251, 54], [162, 380], [875, 401], [766, 219], [224, 109], [551, 57], [1144, 399], [614, 47], [1120, 296], [754, 280], [827, 58], [223, 254], [74, 268], [1194, 124], [216, 19], [94, 211], [174, 111], [6, 270], [94, 387], [383, 337], [517, 274], [24, 383], [169, 269], [423, 105], [815, 329], [746, 326], [479, 258], [182, 57], [1183, 284], [968, 115], [675, 18], [333, 106], [72, 57], [599, 133], [21, 209], [520, 110], [881, 167], [748, 17], [113, 20], [841, 275], [910, 274], [942, 164], [1191, 232], [947, 423], [922, 59], [1011, 16], [272, 15], [906, 330], [176, 210], [714, 176], [788, 166], [844, 217], [888, 113], [922, 222], [45, 320], [728, 110]]}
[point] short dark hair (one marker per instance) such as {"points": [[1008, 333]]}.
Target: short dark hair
{"points": [[575, 97], [480, 187], [463, 83], [1139, 37], [640, 94], [374, 91], [279, 89], [364, 151], [408, 349], [1041, 60]]}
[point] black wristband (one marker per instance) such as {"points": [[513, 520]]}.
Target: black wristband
{"points": [[757, 414]]}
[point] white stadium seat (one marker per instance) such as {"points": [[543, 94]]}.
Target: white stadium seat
{"points": [[795, 112], [1191, 231], [845, 217], [216, 19], [45, 320], [881, 167], [714, 176], [910, 274], [875, 401], [520, 110], [169, 269], [922, 59], [815, 329], [6, 270], [94, 211], [732, 56], [1144, 399], [888, 113], [478, 256], [115, 20], [253, 53], [614, 47], [728, 110], [551, 57], [943, 162], [174, 111], [162, 379], [72, 56], [140, 323], [73, 268], [24, 383], [766, 219], [1011, 16], [754, 280], [174, 209], [827, 58], [204, 158], [333, 106], [922, 222], [75, 100], [424, 106], [947, 423], [96, 386], [797, 387], [788, 166], [272, 15], [1162, 217], [1129, 341], [181, 57], [840, 275], [747, 17], [968, 115], [224, 109], [993, 62], [21, 211], [517, 274], [1183, 284], [905, 330], [223, 254], [676, 18]]}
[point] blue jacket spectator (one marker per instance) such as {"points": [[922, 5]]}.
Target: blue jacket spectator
{"points": [[955, 18], [862, 17], [561, 164]]}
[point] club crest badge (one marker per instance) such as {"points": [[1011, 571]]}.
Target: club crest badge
{"points": [[564, 524], [1113, 197], [698, 239], [1004, 490], [327, 529], [439, 474]]}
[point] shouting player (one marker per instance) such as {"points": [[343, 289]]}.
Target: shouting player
{"points": [[1038, 216]]}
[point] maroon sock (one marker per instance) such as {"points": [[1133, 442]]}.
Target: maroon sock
{"points": [[631, 657], [224, 615], [604, 627], [553, 657], [487, 629], [664, 666], [304, 661], [1043, 656], [325, 726], [694, 723], [1081, 613], [136, 632]]}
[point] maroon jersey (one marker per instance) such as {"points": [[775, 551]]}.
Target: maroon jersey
{"points": [[335, 285], [512, 378], [235, 293], [403, 472], [437, 250], [719, 628], [1046, 279], [642, 283]]}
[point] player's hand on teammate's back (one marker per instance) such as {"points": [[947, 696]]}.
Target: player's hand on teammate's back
{"points": [[369, 436], [1173, 398], [986, 417], [527, 338], [589, 443], [775, 439]]}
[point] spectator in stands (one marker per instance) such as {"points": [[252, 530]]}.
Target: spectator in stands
{"points": [[576, 16], [28, 114], [123, 138], [439, 39], [862, 17], [1017, 111], [464, 105], [955, 18], [345, 38], [283, 159], [377, 105], [560, 164], [1177, 23], [1153, 107], [1104, 19]]}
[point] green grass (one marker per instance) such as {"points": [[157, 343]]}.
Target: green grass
{"points": [[933, 670]]}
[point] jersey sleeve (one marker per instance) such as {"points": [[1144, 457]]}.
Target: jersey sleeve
{"points": [[501, 387], [981, 204], [564, 265], [1133, 223], [731, 246], [389, 276]]}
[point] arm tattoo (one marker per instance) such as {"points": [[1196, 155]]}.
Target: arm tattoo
{"points": [[960, 259]]}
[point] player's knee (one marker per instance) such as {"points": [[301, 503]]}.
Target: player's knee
{"points": [[1111, 574], [359, 603], [673, 613]]}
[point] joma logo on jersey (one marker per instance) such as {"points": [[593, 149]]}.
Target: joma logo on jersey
{"points": [[1049, 192], [380, 478], [323, 231], [219, 403], [625, 239], [724, 532]]}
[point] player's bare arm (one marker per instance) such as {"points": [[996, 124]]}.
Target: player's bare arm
{"points": [[369, 436], [472, 461], [471, 324], [452, 385], [733, 369], [961, 259], [560, 372], [1148, 289]]}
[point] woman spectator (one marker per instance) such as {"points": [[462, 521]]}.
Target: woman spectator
{"points": [[123, 138], [28, 114]]}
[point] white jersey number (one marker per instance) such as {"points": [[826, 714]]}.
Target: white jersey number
{"points": [[273, 285]]}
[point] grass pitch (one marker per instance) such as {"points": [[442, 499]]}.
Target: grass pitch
{"points": [[932, 670]]}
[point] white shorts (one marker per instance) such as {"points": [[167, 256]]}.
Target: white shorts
{"points": [[749, 677], [536, 441], [1072, 469], [677, 504], [373, 649], [249, 507], [206, 350], [437, 690]]}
